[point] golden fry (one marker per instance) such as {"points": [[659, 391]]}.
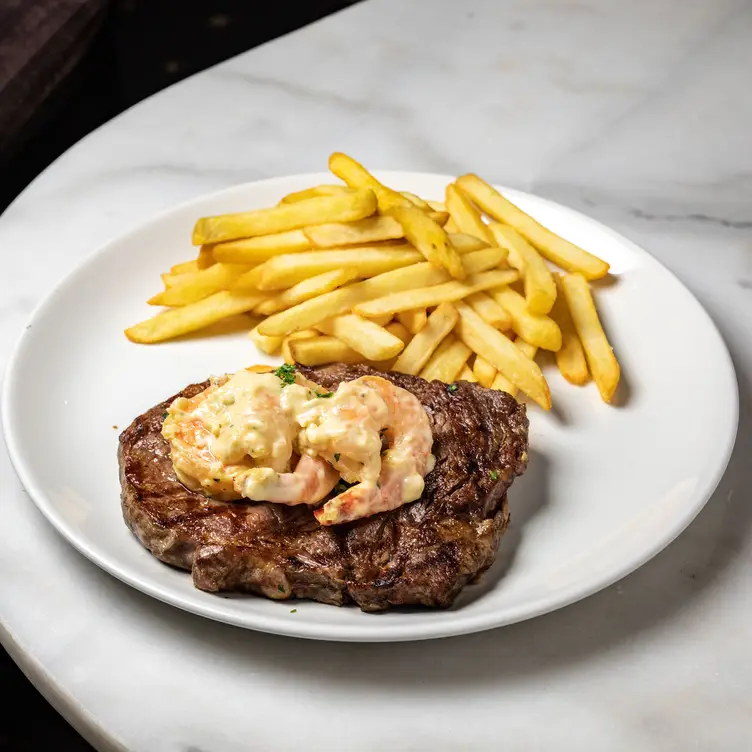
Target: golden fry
{"points": [[429, 238], [287, 355], [368, 338], [438, 206], [467, 375], [205, 257], [571, 357], [561, 252], [269, 345], [400, 331], [345, 207], [528, 350], [249, 280], [484, 371], [189, 318], [502, 384], [284, 271], [417, 353], [489, 310], [317, 190], [319, 351], [305, 290], [262, 248], [185, 267], [600, 355], [540, 289], [199, 285], [426, 297], [356, 176], [447, 361], [414, 319], [417, 200], [494, 347], [540, 331], [465, 216], [464, 243], [369, 230]]}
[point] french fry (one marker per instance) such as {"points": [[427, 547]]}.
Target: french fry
{"points": [[319, 351], [417, 200], [284, 271], [570, 358], [170, 280], [426, 297], [269, 345], [314, 192], [561, 252], [400, 331], [502, 384], [305, 290], [364, 336], [451, 227], [540, 289], [262, 248], [199, 285], [248, 280], [287, 355], [356, 176], [205, 257], [429, 238], [600, 355], [438, 206], [528, 350], [345, 207], [447, 361], [311, 312], [464, 243], [414, 319], [489, 310], [502, 354], [484, 371], [185, 267], [382, 319], [541, 331], [416, 354], [194, 316], [467, 375], [369, 230], [465, 216]]}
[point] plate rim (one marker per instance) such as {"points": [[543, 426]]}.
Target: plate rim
{"points": [[275, 624]]}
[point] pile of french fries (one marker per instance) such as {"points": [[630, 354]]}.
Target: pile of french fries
{"points": [[360, 273]]}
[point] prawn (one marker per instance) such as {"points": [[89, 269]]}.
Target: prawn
{"points": [[403, 465], [311, 481]]}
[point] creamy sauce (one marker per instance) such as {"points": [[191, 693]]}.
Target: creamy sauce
{"points": [[243, 436]]}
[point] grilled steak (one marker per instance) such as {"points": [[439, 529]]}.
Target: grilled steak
{"points": [[422, 553]]}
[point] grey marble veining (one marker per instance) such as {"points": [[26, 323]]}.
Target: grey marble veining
{"points": [[638, 114]]}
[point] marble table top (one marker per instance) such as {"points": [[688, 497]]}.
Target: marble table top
{"points": [[638, 114]]}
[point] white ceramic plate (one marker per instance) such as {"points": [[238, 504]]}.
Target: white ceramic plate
{"points": [[606, 489]]}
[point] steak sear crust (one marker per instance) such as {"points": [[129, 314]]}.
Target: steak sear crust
{"points": [[422, 553]]}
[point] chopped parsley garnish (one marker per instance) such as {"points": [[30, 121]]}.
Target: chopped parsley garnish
{"points": [[164, 416], [286, 374], [494, 474], [337, 455], [452, 388], [281, 588], [293, 610], [324, 395]]}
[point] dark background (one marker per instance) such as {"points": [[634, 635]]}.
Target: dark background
{"points": [[66, 67]]}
